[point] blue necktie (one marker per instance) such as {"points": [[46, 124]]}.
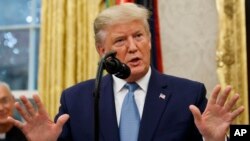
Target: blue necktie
{"points": [[130, 118]]}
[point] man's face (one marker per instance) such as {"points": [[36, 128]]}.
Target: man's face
{"points": [[6, 104], [132, 44]]}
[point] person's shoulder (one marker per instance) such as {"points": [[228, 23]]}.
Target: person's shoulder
{"points": [[184, 85], [180, 82], [84, 85], [14, 130], [87, 85], [179, 79], [170, 79], [16, 134]]}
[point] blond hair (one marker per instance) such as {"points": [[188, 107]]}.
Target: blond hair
{"points": [[125, 12]]}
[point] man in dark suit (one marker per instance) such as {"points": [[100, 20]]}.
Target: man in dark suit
{"points": [[168, 108]]}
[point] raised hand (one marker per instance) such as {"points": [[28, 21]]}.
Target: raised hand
{"points": [[214, 122], [37, 125]]}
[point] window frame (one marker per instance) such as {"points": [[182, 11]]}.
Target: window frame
{"points": [[32, 28]]}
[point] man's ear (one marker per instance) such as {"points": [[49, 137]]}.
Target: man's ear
{"points": [[100, 49]]}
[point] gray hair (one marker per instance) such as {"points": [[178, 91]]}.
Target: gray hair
{"points": [[5, 85], [120, 13]]}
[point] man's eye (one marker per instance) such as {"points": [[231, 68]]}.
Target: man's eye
{"points": [[119, 42], [138, 36]]}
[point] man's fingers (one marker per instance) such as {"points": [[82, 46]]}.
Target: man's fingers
{"points": [[237, 112], [231, 102], [23, 113], [29, 107], [62, 120], [196, 113], [15, 122], [39, 104], [214, 95], [223, 97]]}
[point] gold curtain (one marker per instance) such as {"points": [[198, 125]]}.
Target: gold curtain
{"points": [[231, 51], [67, 49]]}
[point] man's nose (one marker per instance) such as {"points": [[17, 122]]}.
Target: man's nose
{"points": [[132, 45]]}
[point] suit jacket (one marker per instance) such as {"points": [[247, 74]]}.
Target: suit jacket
{"points": [[15, 134], [163, 119]]}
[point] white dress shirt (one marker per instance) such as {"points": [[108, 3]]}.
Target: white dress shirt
{"points": [[2, 135], [140, 94]]}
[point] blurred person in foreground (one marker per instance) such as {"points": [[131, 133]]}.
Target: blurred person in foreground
{"points": [[8, 132], [169, 108]]}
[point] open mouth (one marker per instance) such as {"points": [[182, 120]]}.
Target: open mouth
{"points": [[134, 61]]}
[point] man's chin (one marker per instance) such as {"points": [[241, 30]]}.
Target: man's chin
{"points": [[139, 70], [137, 74]]}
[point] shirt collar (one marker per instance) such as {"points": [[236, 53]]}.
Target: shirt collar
{"points": [[143, 82], [2, 135]]}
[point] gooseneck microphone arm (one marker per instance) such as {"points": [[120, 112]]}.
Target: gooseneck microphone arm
{"points": [[113, 66], [100, 72], [96, 94]]}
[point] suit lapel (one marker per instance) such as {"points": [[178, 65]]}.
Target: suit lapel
{"points": [[108, 122], [155, 104]]}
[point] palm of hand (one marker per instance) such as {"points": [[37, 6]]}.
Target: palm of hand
{"points": [[40, 124], [214, 122], [37, 125]]}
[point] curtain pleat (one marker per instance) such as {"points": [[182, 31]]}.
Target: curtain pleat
{"points": [[67, 52]]}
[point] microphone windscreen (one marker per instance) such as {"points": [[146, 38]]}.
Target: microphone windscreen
{"points": [[114, 66], [124, 72]]}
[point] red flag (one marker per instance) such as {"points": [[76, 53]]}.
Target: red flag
{"points": [[156, 53]]}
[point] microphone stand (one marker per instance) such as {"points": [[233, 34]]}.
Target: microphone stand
{"points": [[96, 93]]}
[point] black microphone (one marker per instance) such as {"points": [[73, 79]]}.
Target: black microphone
{"points": [[114, 66]]}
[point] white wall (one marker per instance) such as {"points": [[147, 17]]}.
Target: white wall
{"points": [[189, 30]]}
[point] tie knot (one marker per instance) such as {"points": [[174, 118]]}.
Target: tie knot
{"points": [[131, 86]]}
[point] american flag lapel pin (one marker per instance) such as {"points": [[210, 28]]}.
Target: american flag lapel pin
{"points": [[162, 96]]}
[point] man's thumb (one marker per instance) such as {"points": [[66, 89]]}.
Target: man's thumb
{"points": [[62, 120]]}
